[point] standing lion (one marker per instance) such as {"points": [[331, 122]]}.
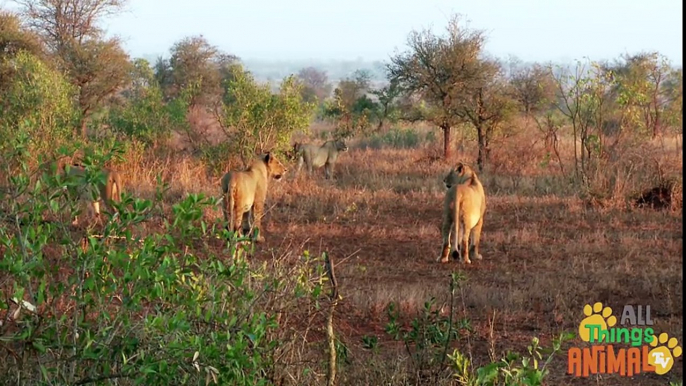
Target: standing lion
{"points": [[245, 192], [315, 156], [465, 203]]}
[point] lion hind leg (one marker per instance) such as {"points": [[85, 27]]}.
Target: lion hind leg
{"points": [[465, 245], [476, 239], [300, 166], [257, 214], [246, 222], [445, 249], [328, 170]]}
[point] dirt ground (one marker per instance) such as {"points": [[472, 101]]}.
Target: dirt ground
{"points": [[546, 255]]}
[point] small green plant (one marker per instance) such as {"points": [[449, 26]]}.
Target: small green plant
{"points": [[116, 305], [512, 370], [370, 342], [430, 334]]}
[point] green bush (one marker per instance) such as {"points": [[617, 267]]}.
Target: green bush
{"points": [[119, 306], [37, 104], [431, 333], [255, 120], [147, 118]]}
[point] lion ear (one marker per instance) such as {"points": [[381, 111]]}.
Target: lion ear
{"points": [[267, 156], [459, 167]]}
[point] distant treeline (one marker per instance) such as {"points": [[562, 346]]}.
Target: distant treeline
{"points": [[276, 70]]}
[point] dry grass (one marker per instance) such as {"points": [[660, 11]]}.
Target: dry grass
{"points": [[546, 251]]}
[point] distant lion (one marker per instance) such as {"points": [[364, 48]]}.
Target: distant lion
{"points": [[108, 192], [465, 203], [245, 192], [314, 156]]}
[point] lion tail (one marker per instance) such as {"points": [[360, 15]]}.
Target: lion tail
{"points": [[456, 217], [116, 190], [230, 203]]}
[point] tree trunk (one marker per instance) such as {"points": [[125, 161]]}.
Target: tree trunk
{"points": [[482, 146], [447, 142], [85, 111]]}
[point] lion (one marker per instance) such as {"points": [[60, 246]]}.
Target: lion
{"points": [[465, 203], [314, 156], [245, 192], [108, 192]]}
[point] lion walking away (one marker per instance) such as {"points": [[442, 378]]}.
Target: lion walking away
{"points": [[465, 203]]}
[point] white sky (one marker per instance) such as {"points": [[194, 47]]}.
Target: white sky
{"points": [[533, 30]]}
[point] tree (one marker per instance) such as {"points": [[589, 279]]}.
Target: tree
{"points": [[353, 88], [14, 37], [98, 67], [35, 103], [198, 66], [388, 108], [489, 108], [583, 99], [532, 84], [62, 22], [640, 89], [455, 82], [143, 113], [142, 76], [316, 84], [674, 95], [350, 108], [441, 70], [255, 120]]}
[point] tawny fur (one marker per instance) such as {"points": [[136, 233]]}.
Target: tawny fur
{"points": [[245, 193], [315, 156], [465, 203]]}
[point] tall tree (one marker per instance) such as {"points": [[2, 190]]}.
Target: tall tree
{"points": [[450, 76], [640, 88], [438, 69], [316, 84], [14, 37], [487, 107], [354, 87], [197, 66], [98, 67], [531, 84]]}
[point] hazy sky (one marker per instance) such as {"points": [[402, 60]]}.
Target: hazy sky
{"points": [[534, 30]]}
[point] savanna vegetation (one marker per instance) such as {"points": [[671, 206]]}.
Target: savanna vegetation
{"points": [[581, 165]]}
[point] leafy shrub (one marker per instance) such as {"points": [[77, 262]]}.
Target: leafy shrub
{"points": [[118, 306], [147, 118], [36, 103], [255, 120]]}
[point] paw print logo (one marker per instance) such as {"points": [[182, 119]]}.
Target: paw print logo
{"points": [[595, 316], [662, 357]]}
